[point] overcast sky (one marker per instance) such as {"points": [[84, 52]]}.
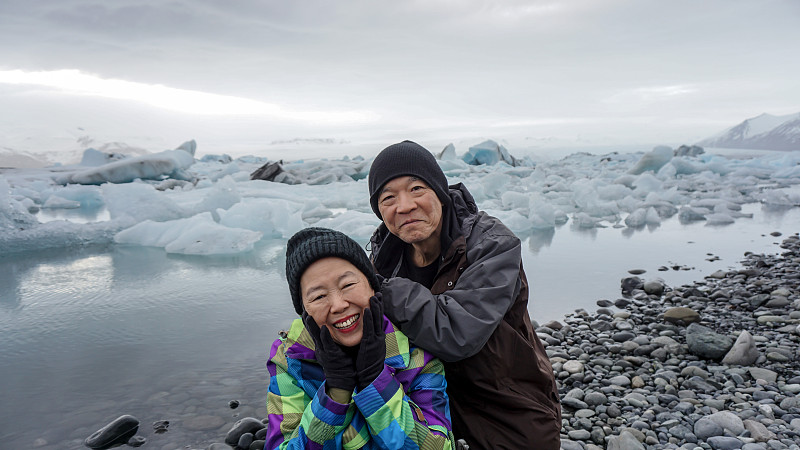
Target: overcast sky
{"points": [[250, 73]]}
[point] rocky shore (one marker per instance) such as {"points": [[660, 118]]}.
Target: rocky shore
{"points": [[712, 365], [715, 364]]}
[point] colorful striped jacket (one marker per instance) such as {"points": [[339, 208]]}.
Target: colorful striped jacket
{"points": [[405, 407]]}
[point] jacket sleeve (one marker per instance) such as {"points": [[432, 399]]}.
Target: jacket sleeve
{"points": [[297, 420], [456, 324], [415, 417]]}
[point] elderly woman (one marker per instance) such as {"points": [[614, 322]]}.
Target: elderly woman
{"points": [[343, 376]]}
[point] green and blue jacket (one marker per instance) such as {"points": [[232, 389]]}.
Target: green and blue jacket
{"points": [[406, 407]]}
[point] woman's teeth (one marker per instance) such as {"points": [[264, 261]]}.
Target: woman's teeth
{"points": [[347, 322]]}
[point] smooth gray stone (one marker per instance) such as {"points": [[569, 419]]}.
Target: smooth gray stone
{"points": [[625, 441], [705, 428], [743, 352], [257, 445], [117, 432], [245, 440], [567, 444], [246, 425], [724, 443], [706, 343]]}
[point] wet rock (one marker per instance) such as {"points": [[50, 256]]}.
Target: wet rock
{"points": [[160, 426], [631, 283], [246, 425], [116, 432], [137, 441], [654, 287]]}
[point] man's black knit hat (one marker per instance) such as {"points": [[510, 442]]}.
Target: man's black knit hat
{"points": [[310, 244], [406, 158]]}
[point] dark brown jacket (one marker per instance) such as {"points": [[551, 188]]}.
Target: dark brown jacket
{"points": [[475, 318]]}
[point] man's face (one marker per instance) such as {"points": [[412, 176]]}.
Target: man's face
{"points": [[335, 294], [411, 210]]}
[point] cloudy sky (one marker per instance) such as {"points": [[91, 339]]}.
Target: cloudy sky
{"points": [[259, 74]]}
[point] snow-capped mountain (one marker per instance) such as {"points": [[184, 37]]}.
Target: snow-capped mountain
{"points": [[765, 132]]}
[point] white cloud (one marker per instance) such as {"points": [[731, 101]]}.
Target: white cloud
{"points": [[74, 82]]}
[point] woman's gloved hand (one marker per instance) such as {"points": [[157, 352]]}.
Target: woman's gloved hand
{"points": [[339, 367], [372, 352]]}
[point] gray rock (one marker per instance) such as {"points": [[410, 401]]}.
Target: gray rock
{"points": [[245, 440], [706, 428], [257, 445], [729, 421], [759, 373], [246, 425], [758, 431], [724, 443], [625, 441], [706, 343], [743, 352], [654, 287], [681, 314], [595, 398], [579, 435], [567, 444], [116, 432]]}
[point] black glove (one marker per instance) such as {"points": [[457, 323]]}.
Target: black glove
{"points": [[372, 351], [339, 368]]}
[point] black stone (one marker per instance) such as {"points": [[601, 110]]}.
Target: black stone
{"points": [[116, 432]]}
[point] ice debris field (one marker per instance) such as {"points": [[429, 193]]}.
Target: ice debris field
{"points": [[210, 205]]}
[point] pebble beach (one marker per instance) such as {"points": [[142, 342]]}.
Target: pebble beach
{"points": [[714, 365]]}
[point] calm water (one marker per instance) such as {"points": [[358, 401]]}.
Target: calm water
{"points": [[89, 334]]}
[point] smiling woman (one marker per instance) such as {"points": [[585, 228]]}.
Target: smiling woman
{"points": [[343, 376], [74, 82]]}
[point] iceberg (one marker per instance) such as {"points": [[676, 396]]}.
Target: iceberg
{"points": [[197, 235], [652, 161], [221, 200], [167, 164], [490, 153]]}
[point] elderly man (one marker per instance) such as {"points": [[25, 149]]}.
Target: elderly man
{"points": [[454, 284]]}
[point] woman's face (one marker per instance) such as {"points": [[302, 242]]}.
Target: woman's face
{"points": [[335, 294]]}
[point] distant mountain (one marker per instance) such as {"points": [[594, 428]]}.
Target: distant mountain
{"points": [[765, 132]]}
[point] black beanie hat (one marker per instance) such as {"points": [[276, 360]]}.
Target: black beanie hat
{"points": [[311, 244], [406, 158]]}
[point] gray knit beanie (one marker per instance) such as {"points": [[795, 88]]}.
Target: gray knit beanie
{"points": [[406, 158], [311, 244]]}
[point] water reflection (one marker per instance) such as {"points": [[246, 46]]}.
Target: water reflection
{"points": [[539, 239]]}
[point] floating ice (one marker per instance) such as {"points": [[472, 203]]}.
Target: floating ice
{"points": [[652, 161], [617, 189], [489, 152], [273, 218], [197, 235], [643, 216], [169, 163]]}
